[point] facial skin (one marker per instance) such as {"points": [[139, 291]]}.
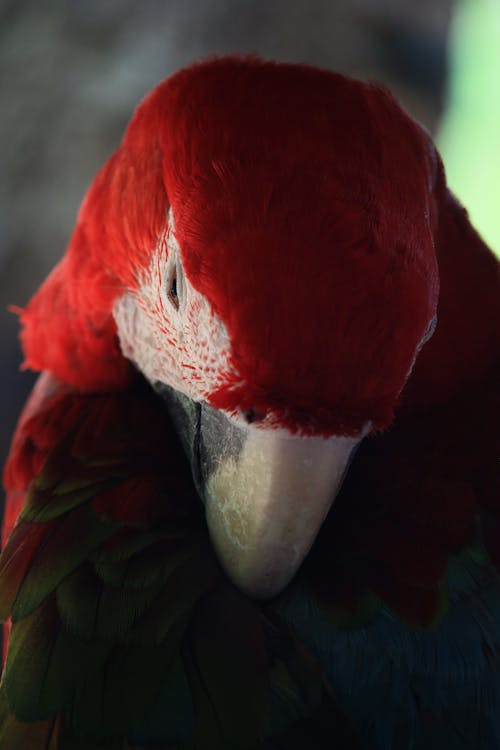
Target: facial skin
{"points": [[266, 491]]}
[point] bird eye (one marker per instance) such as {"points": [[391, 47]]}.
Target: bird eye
{"points": [[253, 415], [172, 292], [174, 285]]}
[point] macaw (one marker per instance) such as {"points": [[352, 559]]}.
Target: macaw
{"points": [[253, 500]]}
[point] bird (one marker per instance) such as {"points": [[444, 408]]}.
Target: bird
{"points": [[253, 499]]}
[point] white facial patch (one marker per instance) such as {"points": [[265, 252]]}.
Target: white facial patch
{"points": [[169, 330]]}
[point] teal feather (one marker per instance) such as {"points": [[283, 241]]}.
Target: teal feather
{"points": [[405, 679]]}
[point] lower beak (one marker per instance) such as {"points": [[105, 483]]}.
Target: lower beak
{"points": [[265, 506]]}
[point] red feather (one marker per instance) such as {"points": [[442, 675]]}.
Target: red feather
{"points": [[326, 278], [207, 141]]}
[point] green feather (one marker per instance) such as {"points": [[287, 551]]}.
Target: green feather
{"points": [[69, 542], [44, 505], [152, 564], [171, 715], [31, 647], [70, 742], [296, 683], [173, 605], [94, 609], [78, 597], [19, 735], [227, 663], [122, 544], [132, 680], [23, 544]]}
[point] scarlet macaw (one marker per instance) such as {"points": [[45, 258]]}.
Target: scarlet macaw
{"points": [[274, 250]]}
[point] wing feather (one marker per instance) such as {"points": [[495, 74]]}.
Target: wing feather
{"points": [[124, 630]]}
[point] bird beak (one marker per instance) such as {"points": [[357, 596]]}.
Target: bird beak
{"points": [[265, 506], [266, 492]]}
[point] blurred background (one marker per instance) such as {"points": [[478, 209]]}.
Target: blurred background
{"points": [[72, 71]]}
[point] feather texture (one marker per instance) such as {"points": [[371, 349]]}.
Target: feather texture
{"points": [[132, 630], [125, 632], [129, 629]]}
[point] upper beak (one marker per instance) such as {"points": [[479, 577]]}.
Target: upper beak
{"points": [[265, 506], [266, 492]]}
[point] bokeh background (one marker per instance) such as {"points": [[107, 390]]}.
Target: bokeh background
{"points": [[72, 71]]}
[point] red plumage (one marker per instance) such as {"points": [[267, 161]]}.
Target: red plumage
{"points": [[372, 186], [371, 214], [313, 215], [350, 173]]}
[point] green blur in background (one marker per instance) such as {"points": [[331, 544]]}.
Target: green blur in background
{"points": [[469, 137]]}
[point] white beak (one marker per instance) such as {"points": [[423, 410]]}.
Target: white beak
{"points": [[265, 506]]}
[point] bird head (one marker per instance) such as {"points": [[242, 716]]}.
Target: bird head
{"points": [[261, 245]]}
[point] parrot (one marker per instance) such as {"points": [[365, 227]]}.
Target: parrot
{"points": [[253, 500]]}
